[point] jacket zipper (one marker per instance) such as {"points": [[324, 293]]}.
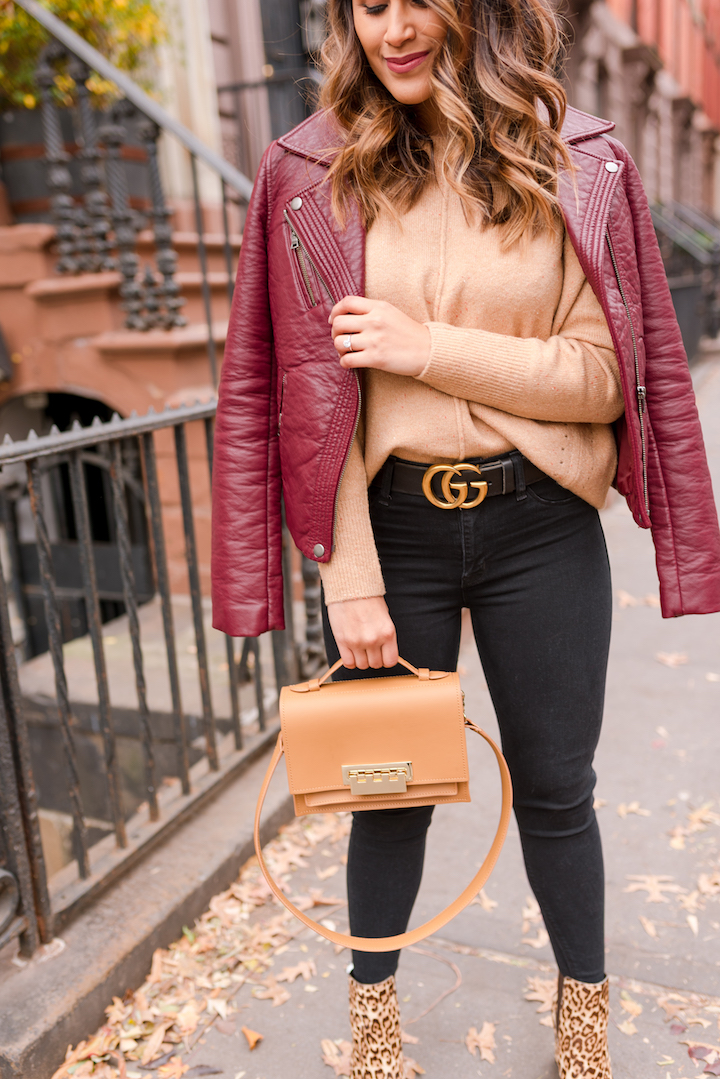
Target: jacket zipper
{"points": [[640, 390], [282, 398], [305, 259]]}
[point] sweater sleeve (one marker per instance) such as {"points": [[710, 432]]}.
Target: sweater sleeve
{"points": [[572, 377], [353, 571]]}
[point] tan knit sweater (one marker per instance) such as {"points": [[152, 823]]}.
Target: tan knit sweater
{"points": [[521, 357]]}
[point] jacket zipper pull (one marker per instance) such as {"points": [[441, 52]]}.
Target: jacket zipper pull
{"points": [[294, 239], [642, 398]]}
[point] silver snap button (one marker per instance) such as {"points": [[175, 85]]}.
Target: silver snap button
{"points": [[295, 203], [318, 550], [612, 166]]}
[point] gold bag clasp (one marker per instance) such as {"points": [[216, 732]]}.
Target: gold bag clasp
{"points": [[391, 778]]}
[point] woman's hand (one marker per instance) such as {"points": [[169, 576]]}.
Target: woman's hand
{"points": [[381, 336], [364, 632]]}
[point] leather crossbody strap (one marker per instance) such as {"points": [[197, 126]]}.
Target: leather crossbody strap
{"points": [[390, 944]]}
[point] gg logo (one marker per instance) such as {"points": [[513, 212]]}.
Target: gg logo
{"points": [[454, 501]]}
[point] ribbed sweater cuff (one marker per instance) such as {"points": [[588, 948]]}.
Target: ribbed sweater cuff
{"points": [[476, 365], [352, 578]]}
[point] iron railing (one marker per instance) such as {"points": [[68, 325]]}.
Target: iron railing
{"points": [[188, 746], [690, 245], [271, 105], [100, 221]]}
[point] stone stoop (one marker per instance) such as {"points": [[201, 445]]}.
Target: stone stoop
{"points": [[59, 328], [47, 1005]]}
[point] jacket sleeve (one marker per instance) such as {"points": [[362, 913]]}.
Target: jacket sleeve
{"points": [[246, 568], [682, 508]]}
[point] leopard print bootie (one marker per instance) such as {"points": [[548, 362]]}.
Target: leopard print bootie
{"points": [[581, 1024], [377, 1039]]}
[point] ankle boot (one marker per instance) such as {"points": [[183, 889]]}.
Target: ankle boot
{"points": [[581, 1025], [377, 1039]]}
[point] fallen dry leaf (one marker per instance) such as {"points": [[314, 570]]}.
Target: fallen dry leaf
{"points": [[273, 992], [411, 1068], [677, 837], [252, 1036], [632, 1007], [672, 659], [336, 1054], [599, 803], [408, 1039], [653, 885], [649, 927], [699, 819], [190, 982], [626, 599], [628, 1027], [174, 1069], [484, 901], [325, 874], [531, 914], [484, 1041], [305, 969], [672, 1004], [217, 1006], [152, 1046], [633, 807], [709, 883], [543, 990], [693, 923], [540, 940]]}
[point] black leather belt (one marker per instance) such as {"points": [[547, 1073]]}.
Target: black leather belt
{"points": [[458, 486]]}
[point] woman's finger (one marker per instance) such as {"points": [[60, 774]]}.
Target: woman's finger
{"points": [[351, 305], [344, 346], [390, 653], [375, 657], [348, 324], [346, 654]]}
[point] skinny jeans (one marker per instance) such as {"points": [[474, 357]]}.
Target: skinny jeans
{"points": [[532, 568]]}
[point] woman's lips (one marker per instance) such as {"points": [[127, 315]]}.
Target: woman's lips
{"points": [[399, 65]]}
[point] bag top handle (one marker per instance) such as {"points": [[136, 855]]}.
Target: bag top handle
{"points": [[311, 686]]}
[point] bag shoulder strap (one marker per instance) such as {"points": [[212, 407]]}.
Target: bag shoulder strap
{"points": [[390, 944]]}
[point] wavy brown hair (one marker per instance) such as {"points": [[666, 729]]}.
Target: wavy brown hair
{"points": [[496, 65]]}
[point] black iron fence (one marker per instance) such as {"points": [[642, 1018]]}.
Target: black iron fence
{"points": [[254, 112], [690, 245], [118, 735]]}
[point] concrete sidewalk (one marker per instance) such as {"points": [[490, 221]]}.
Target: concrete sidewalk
{"points": [[659, 809]]}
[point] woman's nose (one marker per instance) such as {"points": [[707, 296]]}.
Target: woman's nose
{"points": [[400, 26]]}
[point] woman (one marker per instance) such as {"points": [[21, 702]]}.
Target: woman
{"points": [[485, 259]]}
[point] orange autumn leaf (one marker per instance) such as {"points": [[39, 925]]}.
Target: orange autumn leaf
{"points": [[484, 1041], [152, 1046], [174, 1069], [252, 1036]]}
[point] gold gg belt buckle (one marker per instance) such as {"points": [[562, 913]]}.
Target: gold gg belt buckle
{"points": [[454, 501]]}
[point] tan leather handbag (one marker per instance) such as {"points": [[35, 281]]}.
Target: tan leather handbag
{"points": [[379, 743]]}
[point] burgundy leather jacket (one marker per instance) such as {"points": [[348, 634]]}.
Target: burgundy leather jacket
{"points": [[287, 410]]}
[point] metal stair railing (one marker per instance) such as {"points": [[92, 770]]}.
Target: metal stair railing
{"points": [[690, 246], [102, 232], [187, 751]]}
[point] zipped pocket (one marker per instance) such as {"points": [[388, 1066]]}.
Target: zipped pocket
{"points": [[640, 390], [307, 266]]}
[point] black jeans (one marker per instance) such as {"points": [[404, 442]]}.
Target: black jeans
{"points": [[533, 570]]}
